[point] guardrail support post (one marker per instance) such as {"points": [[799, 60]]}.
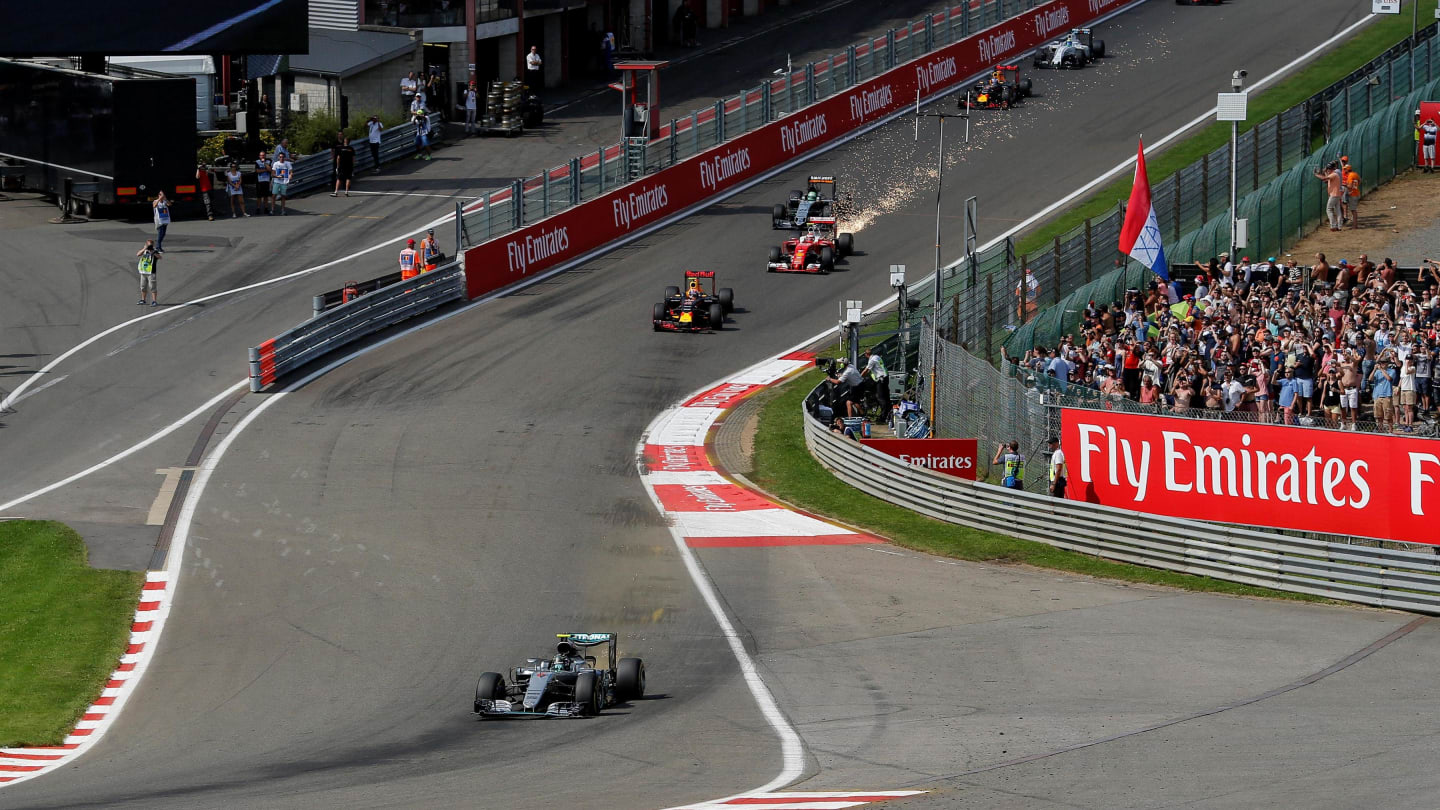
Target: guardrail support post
{"points": [[929, 33], [809, 83], [545, 193], [575, 178], [517, 204], [720, 121], [460, 240], [765, 113], [889, 48], [674, 143], [317, 305], [600, 165], [255, 370], [850, 68]]}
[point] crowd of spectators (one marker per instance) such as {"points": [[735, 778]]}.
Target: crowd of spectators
{"points": [[1320, 344]]}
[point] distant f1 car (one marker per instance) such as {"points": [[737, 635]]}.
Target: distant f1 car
{"points": [[697, 309], [818, 200], [1003, 90], [571, 684], [1077, 49], [815, 251]]}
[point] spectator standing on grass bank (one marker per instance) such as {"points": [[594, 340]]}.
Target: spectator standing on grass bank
{"points": [[1013, 462], [1352, 193], [374, 128], [1057, 468], [204, 186], [149, 260], [235, 191], [161, 206], [344, 166], [1335, 189], [280, 186], [263, 203]]}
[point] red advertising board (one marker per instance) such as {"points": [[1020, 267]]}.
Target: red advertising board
{"points": [[589, 226], [949, 456], [1386, 487]]}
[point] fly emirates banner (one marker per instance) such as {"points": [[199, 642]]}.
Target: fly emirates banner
{"points": [[1261, 475]]}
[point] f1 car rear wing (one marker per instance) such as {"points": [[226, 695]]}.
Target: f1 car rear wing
{"points": [[688, 274], [818, 178], [587, 639], [822, 220]]}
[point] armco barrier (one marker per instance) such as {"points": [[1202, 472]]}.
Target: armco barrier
{"points": [[338, 327], [586, 227], [1404, 580], [313, 172]]}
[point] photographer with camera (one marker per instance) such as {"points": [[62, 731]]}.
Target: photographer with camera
{"points": [[844, 387], [1335, 188]]}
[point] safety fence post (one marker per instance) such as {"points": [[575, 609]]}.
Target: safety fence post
{"points": [[575, 180], [809, 83], [889, 48], [1205, 188], [929, 33], [600, 166], [517, 203], [720, 121], [545, 193], [765, 113], [488, 206], [1088, 268], [674, 143], [460, 240], [850, 68]]}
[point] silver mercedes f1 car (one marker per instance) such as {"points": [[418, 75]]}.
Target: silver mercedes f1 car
{"points": [[572, 684]]}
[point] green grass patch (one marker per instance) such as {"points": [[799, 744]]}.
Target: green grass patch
{"points": [[784, 467], [1346, 58], [63, 627]]}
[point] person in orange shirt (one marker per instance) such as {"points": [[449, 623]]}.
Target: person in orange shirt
{"points": [[1352, 192], [409, 261]]}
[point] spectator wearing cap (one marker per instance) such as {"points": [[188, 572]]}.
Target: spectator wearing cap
{"points": [[409, 261], [1351, 179]]}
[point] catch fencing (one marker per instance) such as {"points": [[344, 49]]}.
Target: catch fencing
{"points": [[531, 199], [1400, 579]]}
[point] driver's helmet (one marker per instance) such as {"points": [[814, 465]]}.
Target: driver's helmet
{"points": [[998, 76], [693, 290], [812, 195], [565, 652]]}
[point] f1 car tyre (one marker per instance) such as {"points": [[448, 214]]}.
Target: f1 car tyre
{"points": [[657, 314], [727, 300], [827, 258], [774, 254], [846, 243], [671, 292], [490, 687], [587, 693], [630, 679], [1025, 87], [717, 317], [778, 212], [1098, 49]]}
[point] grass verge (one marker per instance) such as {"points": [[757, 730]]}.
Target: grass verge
{"points": [[785, 468], [62, 629], [1365, 45]]}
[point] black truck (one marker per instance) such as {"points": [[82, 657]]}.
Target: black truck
{"points": [[118, 139]]}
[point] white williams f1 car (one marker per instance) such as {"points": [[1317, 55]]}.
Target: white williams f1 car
{"points": [[1076, 50], [572, 684]]}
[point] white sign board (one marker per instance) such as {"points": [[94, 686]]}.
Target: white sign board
{"points": [[1385, 6], [1230, 106]]}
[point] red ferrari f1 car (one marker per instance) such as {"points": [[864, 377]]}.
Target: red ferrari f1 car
{"points": [[814, 251]]}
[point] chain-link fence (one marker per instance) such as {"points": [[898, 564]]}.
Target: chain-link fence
{"points": [[531, 199]]}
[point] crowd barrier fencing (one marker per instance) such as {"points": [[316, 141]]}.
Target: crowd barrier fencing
{"points": [[1371, 575], [316, 172]]}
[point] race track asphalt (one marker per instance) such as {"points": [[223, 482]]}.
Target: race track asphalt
{"points": [[447, 502]]}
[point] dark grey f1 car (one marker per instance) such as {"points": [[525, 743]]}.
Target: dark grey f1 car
{"points": [[571, 684]]}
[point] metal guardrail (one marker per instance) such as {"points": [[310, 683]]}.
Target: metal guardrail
{"points": [[313, 172], [347, 323], [1390, 578]]}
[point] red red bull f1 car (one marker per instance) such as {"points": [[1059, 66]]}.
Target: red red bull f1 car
{"points": [[814, 251], [1003, 90], [696, 309]]}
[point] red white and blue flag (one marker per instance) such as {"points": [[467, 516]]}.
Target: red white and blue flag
{"points": [[1140, 237]]}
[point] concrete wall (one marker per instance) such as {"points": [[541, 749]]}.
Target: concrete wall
{"points": [[379, 87], [552, 51], [505, 62]]}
